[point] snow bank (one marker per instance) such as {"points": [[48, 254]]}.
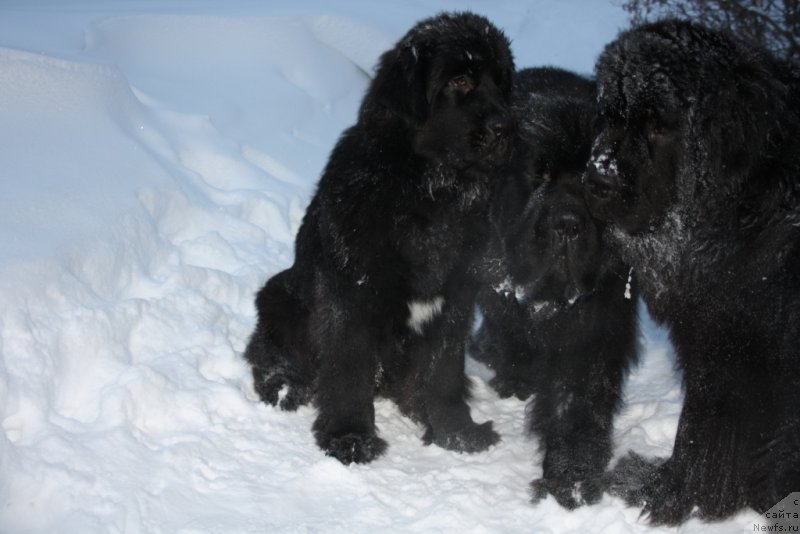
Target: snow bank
{"points": [[157, 160]]}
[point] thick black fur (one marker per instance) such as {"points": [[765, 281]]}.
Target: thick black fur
{"points": [[697, 167], [562, 321], [380, 297]]}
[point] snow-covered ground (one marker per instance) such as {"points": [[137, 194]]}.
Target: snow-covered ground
{"points": [[156, 158]]}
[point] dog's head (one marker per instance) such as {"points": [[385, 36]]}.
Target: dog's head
{"points": [[554, 252], [685, 113], [449, 78], [553, 246]]}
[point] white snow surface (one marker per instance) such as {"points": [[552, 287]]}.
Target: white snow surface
{"points": [[157, 158]]}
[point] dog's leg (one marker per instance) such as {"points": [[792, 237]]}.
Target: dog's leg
{"points": [[717, 429], [439, 362], [503, 344], [345, 425], [348, 345], [579, 392], [575, 432], [703, 472], [278, 351]]}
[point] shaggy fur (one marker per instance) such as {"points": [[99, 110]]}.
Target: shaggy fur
{"points": [[697, 167], [381, 294], [563, 324]]}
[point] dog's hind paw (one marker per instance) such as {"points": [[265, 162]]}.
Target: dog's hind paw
{"points": [[569, 494], [268, 385], [268, 388], [297, 396]]}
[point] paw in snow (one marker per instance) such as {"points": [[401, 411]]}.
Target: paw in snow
{"points": [[473, 438], [570, 494], [354, 448], [270, 388], [653, 484], [507, 386]]}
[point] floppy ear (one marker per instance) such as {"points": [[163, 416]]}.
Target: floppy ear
{"points": [[737, 123], [513, 190], [400, 81]]}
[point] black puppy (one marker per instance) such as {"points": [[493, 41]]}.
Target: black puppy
{"points": [[381, 294], [697, 168], [563, 324]]}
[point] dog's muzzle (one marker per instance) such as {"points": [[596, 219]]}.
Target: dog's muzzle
{"points": [[497, 136]]}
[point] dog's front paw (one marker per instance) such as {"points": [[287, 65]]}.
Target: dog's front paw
{"points": [[653, 484], [507, 387], [353, 448], [568, 493], [629, 478], [472, 438], [666, 501]]}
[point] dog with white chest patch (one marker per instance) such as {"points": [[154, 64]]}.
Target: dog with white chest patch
{"points": [[380, 298]]}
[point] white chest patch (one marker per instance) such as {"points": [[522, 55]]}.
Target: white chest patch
{"points": [[422, 312]]}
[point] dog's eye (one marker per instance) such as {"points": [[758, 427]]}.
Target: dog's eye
{"points": [[461, 82], [659, 124], [656, 132]]}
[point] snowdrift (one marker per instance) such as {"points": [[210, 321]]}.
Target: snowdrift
{"points": [[157, 159]]}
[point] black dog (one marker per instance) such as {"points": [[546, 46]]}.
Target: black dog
{"points": [[697, 168], [381, 294], [563, 326]]}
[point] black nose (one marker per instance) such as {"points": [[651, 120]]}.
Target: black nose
{"points": [[500, 127], [568, 223]]}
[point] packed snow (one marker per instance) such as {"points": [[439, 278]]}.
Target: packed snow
{"points": [[157, 158]]}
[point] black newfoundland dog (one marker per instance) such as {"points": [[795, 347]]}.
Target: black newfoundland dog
{"points": [[698, 169], [381, 294], [563, 324]]}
